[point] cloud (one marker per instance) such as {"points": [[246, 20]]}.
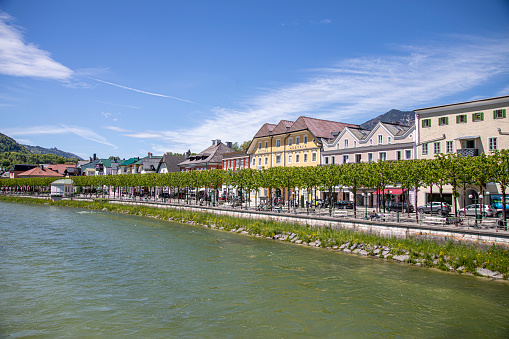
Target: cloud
{"points": [[354, 88], [85, 133], [117, 129], [20, 59], [126, 106], [140, 91]]}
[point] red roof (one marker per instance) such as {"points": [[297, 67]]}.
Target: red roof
{"points": [[38, 172], [60, 168]]}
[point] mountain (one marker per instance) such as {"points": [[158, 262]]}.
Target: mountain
{"points": [[54, 150], [406, 118], [8, 144]]}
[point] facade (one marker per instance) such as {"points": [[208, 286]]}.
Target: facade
{"points": [[62, 188], [210, 158], [150, 164], [385, 142], [236, 160], [468, 129], [292, 144], [129, 166]]}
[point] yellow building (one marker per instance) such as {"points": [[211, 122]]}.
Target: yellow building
{"points": [[291, 144]]}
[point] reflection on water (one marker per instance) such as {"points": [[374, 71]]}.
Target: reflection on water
{"points": [[68, 273]]}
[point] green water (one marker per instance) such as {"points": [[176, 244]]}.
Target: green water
{"points": [[69, 273]]}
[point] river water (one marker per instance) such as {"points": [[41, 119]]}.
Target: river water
{"points": [[71, 273]]}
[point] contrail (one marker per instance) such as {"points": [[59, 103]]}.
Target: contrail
{"points": [[144, 92]]}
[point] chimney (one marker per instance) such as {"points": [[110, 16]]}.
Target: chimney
{"points": [[149, 155], [188, 154], [229, 144], [41, 166], [216, 142], [95, 156]]}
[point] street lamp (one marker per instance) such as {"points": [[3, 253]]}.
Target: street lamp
{"points": [[366, 196], [476, 200]]}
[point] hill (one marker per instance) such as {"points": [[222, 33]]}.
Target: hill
{"points": [[403, 117], [54, 150], [8, 144]]}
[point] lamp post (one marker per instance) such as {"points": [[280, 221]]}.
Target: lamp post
{"points": [[475, 200], [366, 197]]}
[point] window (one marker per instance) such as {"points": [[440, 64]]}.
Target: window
{"points": [[370, 157], [389, 140], [266, 160], [408, 154], [289, 158], [354, 143], [305, 139], [370, 142], [326, 160], [426, 123], [297, 157], [345, 159], [492, 144], [499, 114], [259, 144], [449, 146], [297, 140], [358, 158], [278, 142], [290, 141], [254, 162], [333, 160], [398, 155], [346, 143], [266, 144], [461, 119], [305, 157], [424, 149], [436, 147], [278, 159], [313, 157], [443, 121], [380, 139], [259, 161], [478, 116], [382, 156]]}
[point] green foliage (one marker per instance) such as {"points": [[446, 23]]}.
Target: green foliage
{"points": [[15, 158], [8, 144]]}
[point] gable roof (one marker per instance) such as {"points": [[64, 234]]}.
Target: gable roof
{"points": [[59, 168], [213, 154], [39, 172], [172, 161], [318, 127]]}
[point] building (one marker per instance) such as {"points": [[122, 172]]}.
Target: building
{"points": [[169, 163], [468, 129], [150, 164], [292, 144], [210, 158], [15, 170], [129, 166], [62, 188], [236, 160], [40, 172], [385, 142]]}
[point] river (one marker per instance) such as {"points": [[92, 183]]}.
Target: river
{"points": [[72, 273]]}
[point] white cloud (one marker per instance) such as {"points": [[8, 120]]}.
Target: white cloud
{"points": [[18, 58], [353, 88], [85, 133], [117, 129]]}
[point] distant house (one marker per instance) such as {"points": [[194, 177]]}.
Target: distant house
{"points": [[39, 172], [169, 163], [128, 166], [150, 164], [62, 168], [211, 158], [17, 169], [99, 167]]}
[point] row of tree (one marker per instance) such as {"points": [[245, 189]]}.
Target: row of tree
{"points": [[445, 169]]}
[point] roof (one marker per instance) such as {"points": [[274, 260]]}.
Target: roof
{"points": [[39, 172], [151, 163], [238, 154], [60, 168], [21, 167], [62, 182], [318, 127], [213, 154], [129, 161], [172, 161], [466, 104]]}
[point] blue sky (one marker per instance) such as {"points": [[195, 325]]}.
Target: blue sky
{"points": [[125, 78]]}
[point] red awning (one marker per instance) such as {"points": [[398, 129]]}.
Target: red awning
{"points": [[395, 191]]}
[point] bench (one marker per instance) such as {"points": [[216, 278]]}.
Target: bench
{"points": [[435, 220], [341, 213]]}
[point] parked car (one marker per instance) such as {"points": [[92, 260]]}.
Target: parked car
{"points": [[401, 207], [500, 213], [344, 204], [484, 210], [435, 207]]}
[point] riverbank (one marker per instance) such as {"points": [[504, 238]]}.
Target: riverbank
{"points": [[491, 262]]}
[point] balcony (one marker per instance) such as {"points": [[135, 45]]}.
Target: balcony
{"points": [[468, 152]]}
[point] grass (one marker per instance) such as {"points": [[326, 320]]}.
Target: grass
{"points": [[451, 256]]}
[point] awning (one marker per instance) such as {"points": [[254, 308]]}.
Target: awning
{"points": [[469, 138], [395, 191]]}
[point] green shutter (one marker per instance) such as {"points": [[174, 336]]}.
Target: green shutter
{"points": [[447, 120], [482, 116], [494, 114], [503, 114], [473, 116], [457, 119]]}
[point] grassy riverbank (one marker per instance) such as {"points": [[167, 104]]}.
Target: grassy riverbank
{"points": [[447, 256]]}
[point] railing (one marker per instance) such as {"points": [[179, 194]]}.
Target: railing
{"points": [[468, 152]]}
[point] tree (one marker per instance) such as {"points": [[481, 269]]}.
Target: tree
{"points": [[499, 163]]}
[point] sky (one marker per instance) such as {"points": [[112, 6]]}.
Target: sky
{"points": [[125, 78]]}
